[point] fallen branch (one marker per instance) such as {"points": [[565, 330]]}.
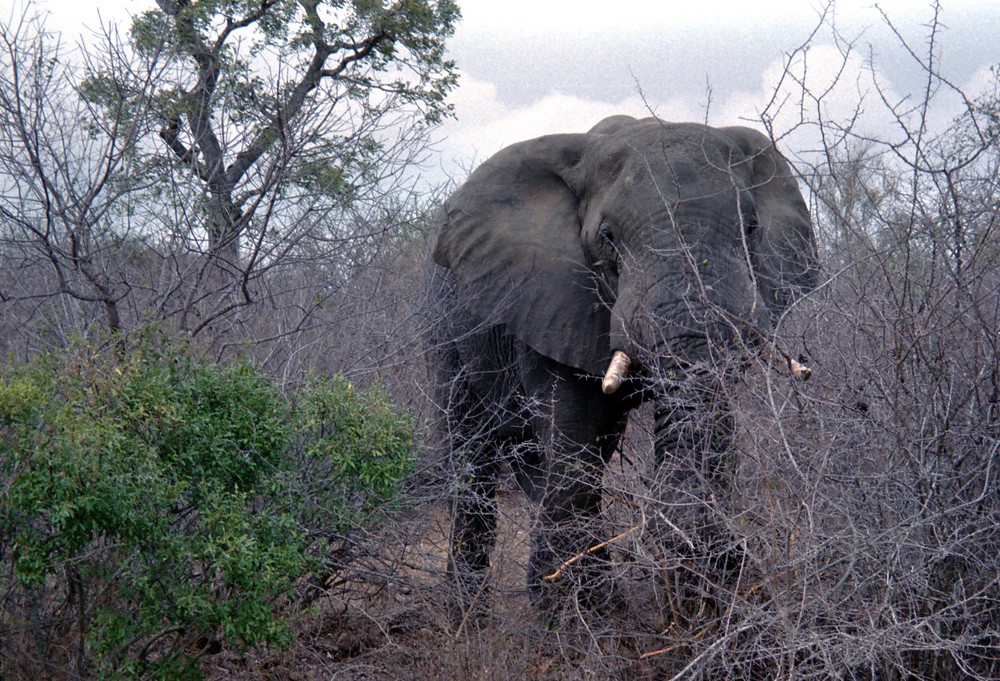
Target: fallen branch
{"points": [[596, 547], [678, 646]]}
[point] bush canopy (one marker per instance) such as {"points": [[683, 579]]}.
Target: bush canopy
{"points": [[155, 507]]}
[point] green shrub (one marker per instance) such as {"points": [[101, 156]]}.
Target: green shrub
{"points": [[156, 506], [355, 449]]}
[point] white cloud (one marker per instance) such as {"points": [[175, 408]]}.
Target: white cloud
{"points": [[819, 86], [562, 65], [593, 16], [982, 82], [484, 124]]}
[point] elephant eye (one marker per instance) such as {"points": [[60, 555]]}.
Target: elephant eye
{"points": [[606, 236]]}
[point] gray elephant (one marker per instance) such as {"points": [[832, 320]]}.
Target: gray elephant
{"points": [[578, 275]]}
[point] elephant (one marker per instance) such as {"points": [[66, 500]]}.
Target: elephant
{"points": [[575, 276]]}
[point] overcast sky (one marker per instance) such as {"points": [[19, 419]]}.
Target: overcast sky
{"points": [[531, 67]]}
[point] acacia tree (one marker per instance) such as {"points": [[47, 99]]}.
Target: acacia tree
{"points": [[260, 94], [221, 149], [273, 112]]}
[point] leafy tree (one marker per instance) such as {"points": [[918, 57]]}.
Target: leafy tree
{"points": [[223, 155], [265, 101]]}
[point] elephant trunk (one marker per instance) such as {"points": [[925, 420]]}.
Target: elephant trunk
{"points": [[617, 371]]}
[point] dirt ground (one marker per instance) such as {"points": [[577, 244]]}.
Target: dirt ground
{"points": [[390, 620]]}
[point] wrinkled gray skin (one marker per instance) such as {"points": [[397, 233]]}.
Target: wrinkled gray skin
{"points": [[675, 242]]}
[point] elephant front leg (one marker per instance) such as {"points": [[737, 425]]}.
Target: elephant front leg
{"points": [[576, 428], [690, 490], [473, 524], [566, 555], [567, 529]]}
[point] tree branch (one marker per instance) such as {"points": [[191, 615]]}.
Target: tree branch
{"points": [[310, 80]]}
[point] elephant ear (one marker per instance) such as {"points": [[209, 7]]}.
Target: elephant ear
{"points": [[784, 255], [511, 236]]}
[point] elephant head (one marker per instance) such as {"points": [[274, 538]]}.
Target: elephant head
{"points": [[652, 238]]}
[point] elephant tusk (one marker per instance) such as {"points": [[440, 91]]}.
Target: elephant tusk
{"points": [[617, 371], [786, 365], [799, 372]]}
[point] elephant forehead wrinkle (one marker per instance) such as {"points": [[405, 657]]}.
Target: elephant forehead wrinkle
{"points": [[707, 163], [691, 223]]}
